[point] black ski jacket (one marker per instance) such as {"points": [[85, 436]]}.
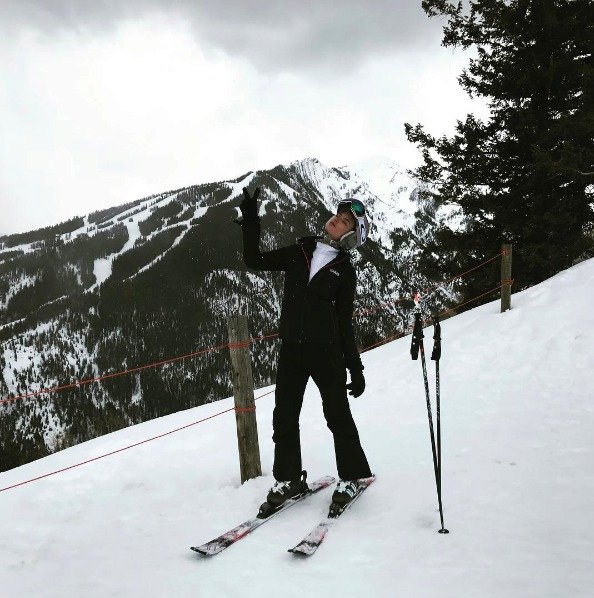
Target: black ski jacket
{"points": [[320, 310]]}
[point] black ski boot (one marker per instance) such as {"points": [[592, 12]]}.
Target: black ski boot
{"points": [[281, 492], [345, 492]]}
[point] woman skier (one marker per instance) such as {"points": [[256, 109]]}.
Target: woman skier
{"points": [[317, 340]]}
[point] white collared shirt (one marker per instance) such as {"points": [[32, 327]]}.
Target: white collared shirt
{"points": [[322, 255]]}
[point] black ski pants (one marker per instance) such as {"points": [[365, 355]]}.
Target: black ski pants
{"points": [[325, 364]]}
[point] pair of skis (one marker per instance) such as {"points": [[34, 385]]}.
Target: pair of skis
{"points": [[309, 544]]}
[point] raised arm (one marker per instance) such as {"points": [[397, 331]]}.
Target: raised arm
{"points": [[277, 259]]}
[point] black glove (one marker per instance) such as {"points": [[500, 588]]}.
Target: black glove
{"points": [[357, 384], [249, 203]]}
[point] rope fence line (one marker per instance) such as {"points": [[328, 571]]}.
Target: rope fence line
{"points": [[427, 321], [78, 383], [471, 300], [469, 271], [429, 288], [361, 312], [386, 340], [97, 458], [124, 448], [235, 409], [128, 371]]}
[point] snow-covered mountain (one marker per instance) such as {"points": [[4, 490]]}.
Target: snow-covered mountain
{"points": [[518, 480], [156, 278]]}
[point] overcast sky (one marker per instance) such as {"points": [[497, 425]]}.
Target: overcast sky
{"points": [[103, 102]]}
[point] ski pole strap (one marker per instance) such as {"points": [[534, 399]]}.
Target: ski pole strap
{"points": [[436, 354], [417, 337]]}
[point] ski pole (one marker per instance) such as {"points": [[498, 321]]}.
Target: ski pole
{"points": [[416, 345], [435, 356]]}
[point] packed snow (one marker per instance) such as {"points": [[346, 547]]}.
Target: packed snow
{"points": [[518, 480]]}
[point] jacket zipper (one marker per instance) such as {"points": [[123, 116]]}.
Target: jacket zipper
{"points": [[308, 271], [330, 263]]}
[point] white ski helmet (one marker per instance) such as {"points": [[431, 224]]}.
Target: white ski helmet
{"points": [[357, 237]]}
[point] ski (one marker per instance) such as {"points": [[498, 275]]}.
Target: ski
{"points": [[266, 513], [312, 541]]}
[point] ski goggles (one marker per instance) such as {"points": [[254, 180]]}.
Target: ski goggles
{"points": [[354, 205]]}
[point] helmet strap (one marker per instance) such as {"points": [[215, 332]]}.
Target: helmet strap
{"points": [[328, 240], [348, 241]]}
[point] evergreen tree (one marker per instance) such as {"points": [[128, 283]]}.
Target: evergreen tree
{"points": [[525, 175]]}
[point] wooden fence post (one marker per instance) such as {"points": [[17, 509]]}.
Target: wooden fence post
{"points": [[243, 392], [506, 279]]}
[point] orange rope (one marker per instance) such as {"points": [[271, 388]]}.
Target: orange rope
{"points": [[239, 345], [236, 409], [125, 448], [472, 269], [425, 322], [470, 300], [128, 371], [379, 306], [46, 475], [384, 341], [426, 289]]}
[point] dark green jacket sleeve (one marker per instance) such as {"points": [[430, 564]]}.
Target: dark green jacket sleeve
{"points": [[277, 259], [344, 309]]}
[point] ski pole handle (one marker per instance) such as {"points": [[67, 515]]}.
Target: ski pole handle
{"points": [[417, 337], [436, 354]]}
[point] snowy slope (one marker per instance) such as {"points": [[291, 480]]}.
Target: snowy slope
{"points": [[517, 417]]}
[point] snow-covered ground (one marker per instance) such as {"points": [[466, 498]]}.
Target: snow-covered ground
{"points": [[518, 481]]}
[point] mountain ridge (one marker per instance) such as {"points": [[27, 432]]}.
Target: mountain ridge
{"points": [[157, 277]]}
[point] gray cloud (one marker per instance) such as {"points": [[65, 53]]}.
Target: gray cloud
{"points": [[103, 102], [275, 35]]}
